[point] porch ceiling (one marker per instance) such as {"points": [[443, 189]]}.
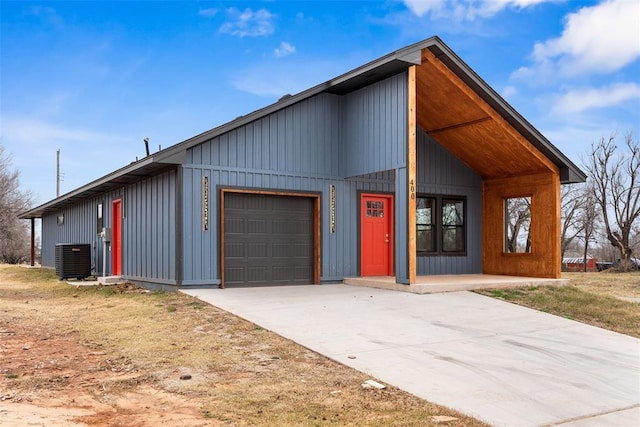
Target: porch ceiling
{"points": [[462, 122]]}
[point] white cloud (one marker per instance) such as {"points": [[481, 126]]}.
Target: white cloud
{"points": [[422, 7], [284, 49], [248, 23], [261, 83], [576, 101], [28, 130], [276, 78], [208, 13], [466, 9], [48, 14], [597, 39], [509, 91], [85, 153]]}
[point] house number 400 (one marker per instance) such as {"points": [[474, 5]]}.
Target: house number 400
{"points": [[412, 190]]}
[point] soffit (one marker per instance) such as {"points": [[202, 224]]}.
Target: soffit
{"points": [[114, 181], [461, 121]]}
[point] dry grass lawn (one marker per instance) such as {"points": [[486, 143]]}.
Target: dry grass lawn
{"points": [[120, 356], [607, 300]]}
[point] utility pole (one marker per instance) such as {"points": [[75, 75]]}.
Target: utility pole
{"points": [[58, 173]]}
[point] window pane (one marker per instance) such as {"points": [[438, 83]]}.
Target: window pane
{"points": [[517, 216], [425, 239], [452, 212], [452, 239], [425, 208], [99, 221]]}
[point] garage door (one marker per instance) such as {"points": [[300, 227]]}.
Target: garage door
{"points": [[268, 240]]}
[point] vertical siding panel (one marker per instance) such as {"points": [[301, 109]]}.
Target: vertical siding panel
{"points": [[187, 223], [224, 150], [215, 152], [241, 143], [196, 154], [257, 145], [273, 142], [206, 153], [249, 146], [369, 132]]}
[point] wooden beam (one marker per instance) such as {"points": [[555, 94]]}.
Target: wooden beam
{"points": [[411, 174], [459, 125]]}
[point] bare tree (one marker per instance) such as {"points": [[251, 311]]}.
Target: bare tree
{"points": [[572, 202], [616, 182], [14, 246], [588, 218], [518, 222]]}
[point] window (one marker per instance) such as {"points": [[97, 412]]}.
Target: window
{"points": [[453, 226], [99, 222], [60, 219], [425, 224], [375, 209], [517, 225], [440, 225]]}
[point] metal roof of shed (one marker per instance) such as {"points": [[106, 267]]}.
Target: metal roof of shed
{"points": [[360, 77]]}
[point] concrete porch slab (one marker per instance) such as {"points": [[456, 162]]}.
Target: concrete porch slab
{"points": [[453, 282]]}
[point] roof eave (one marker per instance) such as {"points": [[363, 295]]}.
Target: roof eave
{"points": [[127, 174]]}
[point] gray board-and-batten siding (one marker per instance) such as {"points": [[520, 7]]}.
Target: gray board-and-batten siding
{"points": [[356, 142], [148, 229], [308, 146]]}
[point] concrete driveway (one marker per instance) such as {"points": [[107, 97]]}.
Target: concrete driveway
{"points": [[501, 363]]}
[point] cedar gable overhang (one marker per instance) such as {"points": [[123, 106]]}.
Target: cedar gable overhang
{"points": [[468, 118]]}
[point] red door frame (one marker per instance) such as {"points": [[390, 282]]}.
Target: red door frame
{"points": [[382, 244], [116, 237]]}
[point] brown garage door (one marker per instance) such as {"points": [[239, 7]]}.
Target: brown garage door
{"points": [[268, 240]]}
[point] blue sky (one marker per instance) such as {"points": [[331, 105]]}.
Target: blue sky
{"points": [[93, 79]]}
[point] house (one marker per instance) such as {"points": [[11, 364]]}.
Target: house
{"points": [[402, 167], [577, 264]]}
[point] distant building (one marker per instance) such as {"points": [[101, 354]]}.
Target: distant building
{"points": [[576, 264]]}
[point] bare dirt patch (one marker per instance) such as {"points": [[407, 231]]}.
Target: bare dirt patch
{"points": [[121, 356]]}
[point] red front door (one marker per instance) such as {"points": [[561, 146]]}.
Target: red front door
{"points": [[376, 233], [116, 238]]}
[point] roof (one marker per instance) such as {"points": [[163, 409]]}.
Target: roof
{"points": [[374, 71], [576, 260]]}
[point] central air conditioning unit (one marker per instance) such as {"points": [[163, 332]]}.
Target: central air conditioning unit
{"points": [[73, 260]]}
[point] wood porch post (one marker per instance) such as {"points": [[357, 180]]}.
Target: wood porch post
{"points": [[33, 242], [411, 175]]}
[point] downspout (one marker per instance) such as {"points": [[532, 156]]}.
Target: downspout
{"points": [[179, 225]]}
